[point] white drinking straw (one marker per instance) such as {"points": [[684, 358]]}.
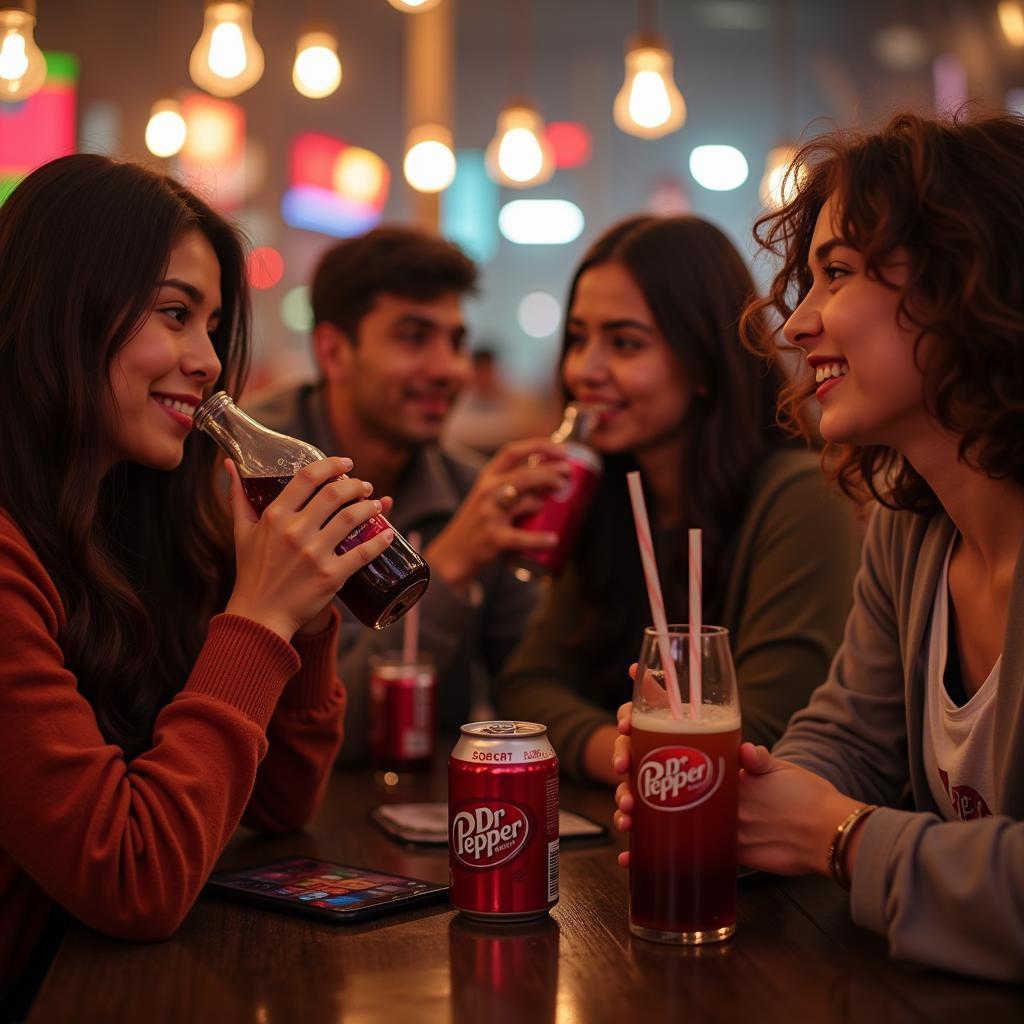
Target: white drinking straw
{"points": [[696, 616], [643, 536], [411, 623]]}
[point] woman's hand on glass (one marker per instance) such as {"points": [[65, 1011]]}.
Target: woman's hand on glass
{"points": [[622, 757], [787, 815]]}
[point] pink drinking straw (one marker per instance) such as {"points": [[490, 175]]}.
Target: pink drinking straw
{"points": [[411, 623], [643, 536], [696, 579]]}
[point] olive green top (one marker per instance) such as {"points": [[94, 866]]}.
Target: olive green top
{"points": [[788, 594]]}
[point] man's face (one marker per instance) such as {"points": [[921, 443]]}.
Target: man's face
{"points": [[408, 364]]}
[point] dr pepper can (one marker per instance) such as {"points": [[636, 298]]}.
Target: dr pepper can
{"points": [[503, 821]]}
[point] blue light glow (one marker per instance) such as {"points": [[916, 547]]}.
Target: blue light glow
{"points": [[319, 209], [469, 208]]}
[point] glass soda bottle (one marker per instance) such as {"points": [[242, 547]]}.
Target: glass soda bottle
{"points": [[377, 594], [563, 510]]}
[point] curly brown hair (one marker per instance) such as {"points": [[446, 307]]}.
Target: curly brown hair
{"points": [[950, 194]]}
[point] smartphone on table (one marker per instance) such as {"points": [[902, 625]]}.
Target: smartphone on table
{"points": [[338, 893]]}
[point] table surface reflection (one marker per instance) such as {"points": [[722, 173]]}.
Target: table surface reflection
{"points": [[796, 955]]}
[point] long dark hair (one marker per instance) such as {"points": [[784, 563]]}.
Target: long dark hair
{"points": [[695, 284], [947, 193], [140, 558]]}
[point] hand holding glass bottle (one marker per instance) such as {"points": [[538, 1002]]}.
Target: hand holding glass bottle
{"points": [[288, 566], [389, 580]]}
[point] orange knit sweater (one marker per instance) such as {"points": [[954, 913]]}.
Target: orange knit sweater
{"points": [[126, 847]]}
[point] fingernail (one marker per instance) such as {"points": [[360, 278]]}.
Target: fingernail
{"points": [[389, 535], [347, 463], [377, 505], [367, 487]]}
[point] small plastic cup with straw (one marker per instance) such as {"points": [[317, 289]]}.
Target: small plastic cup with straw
{"points": [[403, 704]]}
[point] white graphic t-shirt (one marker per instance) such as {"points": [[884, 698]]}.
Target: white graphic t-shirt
{"points": [[957, 740]]}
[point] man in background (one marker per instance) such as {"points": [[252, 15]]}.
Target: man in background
{"points": [[491, 412], [390, 340]]}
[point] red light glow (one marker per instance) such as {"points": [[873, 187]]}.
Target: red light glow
{"points": [[571, 143], [264, 267], [216, 130], [312, 160], [355, 174], [212, 161]]}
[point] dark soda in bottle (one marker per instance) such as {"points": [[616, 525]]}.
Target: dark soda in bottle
{"points": [[563, 510], [377, 594]]}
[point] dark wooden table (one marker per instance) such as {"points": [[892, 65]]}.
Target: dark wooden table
{"points": [[795, 957]]}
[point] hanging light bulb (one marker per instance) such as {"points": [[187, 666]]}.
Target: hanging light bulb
{"points": [[781, 180], [22, 64], [429, 159], [520, 155], [166, 130], [317, 70], [1011, 19], [649, 104], [227, 60], [413, 6]]}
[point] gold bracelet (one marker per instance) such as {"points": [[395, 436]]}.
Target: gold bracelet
{"points": [[837, 848]]}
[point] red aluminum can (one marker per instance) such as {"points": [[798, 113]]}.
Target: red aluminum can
{"points": [[503, 821], [563, 513], [403, 714]]}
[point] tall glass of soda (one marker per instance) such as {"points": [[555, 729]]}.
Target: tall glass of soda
{"points": [[682, 859]]}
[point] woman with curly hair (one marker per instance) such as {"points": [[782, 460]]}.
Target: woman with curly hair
{"points": [[168, 667], [901, 283]]}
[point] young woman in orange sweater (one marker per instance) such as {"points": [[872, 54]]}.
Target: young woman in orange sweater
{"points": [[161, 680]]}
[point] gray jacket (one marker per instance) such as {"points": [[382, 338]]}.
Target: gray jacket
{"points": [[468, 640], [945, 893]]}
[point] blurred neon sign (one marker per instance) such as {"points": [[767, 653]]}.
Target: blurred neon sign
{"points": [[336, 188], [42, 127]]}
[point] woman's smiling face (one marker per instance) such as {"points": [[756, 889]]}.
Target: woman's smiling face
{"points": [[869, 385], [160, 375], [618, 359]]}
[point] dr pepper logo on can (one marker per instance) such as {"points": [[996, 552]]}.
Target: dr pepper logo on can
{"points": [[488, 833], [677, 778]]}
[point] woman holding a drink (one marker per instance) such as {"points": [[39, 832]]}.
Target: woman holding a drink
{"points": [[901, 284], [138, 724], [651, 344]]}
